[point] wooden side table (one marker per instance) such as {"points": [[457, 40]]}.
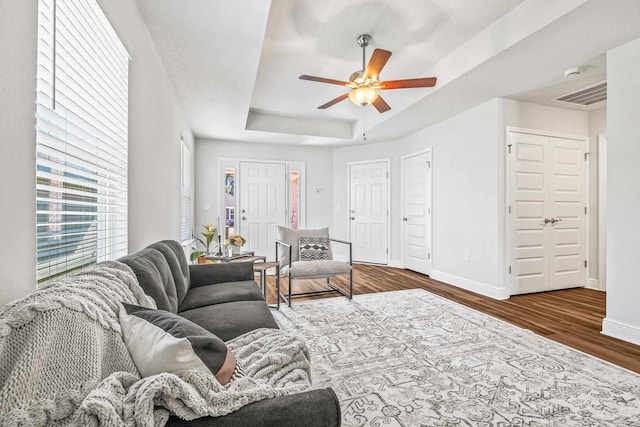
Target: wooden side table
{"points": [[261, 268]]}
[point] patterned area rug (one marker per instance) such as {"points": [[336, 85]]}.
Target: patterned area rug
{"points": [[411, 358]]}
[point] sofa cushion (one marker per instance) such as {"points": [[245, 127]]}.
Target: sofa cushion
{"points": [[317, 269], [221, 293], [160, 341], [177, 260], [154, 276], [290, 236], [232, 319]]}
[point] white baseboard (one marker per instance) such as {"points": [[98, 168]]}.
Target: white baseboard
{"points": [[396, 263], [593, 284], [470, 285], [621, 330]]}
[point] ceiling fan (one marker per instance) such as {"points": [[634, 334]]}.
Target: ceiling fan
{"points": [[364, 83]]}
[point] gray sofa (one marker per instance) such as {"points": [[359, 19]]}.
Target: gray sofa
{"points": [[225, 299]]}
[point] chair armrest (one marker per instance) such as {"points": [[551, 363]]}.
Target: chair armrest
{"points": [[287, 247], [346, 243], [315, 408], [210, 274]]}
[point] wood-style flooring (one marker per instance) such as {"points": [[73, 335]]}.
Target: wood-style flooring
{"points": [[572, 317]]}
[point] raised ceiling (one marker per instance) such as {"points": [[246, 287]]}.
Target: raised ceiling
{"points": [[235, 65]]}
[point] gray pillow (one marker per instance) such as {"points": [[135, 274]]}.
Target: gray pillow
{"points": [[160, 341], [290, 236], [314, 248]]}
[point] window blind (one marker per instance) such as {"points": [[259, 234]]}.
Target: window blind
{"points": [[186, 192], [81, 138]]}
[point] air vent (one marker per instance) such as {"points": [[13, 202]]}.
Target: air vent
{"points": [[587, 96]]}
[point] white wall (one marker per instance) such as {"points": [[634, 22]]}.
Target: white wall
{"points": [[623, 193], [155, 126], [154, 141], [208, 178], [542, 117], [18, 21], [465, 190]]}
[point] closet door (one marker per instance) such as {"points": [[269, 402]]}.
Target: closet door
{"points": [[528, 209], [567, 197], [546, 235]]}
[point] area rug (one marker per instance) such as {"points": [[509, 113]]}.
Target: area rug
{"points": [[411, 358]]}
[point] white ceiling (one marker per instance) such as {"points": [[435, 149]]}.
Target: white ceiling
{"points": [[235, 64]]}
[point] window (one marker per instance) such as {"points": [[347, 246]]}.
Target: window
{"points": [[294, 198], [229, 201], [81, 138], [186, 192]]}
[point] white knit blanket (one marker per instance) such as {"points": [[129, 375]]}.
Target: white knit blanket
{"points": [[63, 361]]}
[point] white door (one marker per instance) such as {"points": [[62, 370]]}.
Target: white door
{"points": [[416, 211], [568, 213], [547, 202], [263, 205], [369, 211]]}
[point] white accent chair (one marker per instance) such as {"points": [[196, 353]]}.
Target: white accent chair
{"points": [[305, 254]]}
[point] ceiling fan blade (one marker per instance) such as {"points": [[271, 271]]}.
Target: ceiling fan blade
{"points": [[323, 80], [377, 61], [334, 101], [408, 83], [381, 105]]}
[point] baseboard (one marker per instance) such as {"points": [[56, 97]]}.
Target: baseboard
{"points": [[470, 285], [396, 263], [593, 284], [621, 330]]}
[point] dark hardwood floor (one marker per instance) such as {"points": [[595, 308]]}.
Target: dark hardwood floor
{"points": [[572, 317]]}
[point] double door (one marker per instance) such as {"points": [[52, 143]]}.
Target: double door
{"points": [[546, 235]]}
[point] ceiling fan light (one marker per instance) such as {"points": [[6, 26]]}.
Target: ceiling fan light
{"points": [[363, 95]]}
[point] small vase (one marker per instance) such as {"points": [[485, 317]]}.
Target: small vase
{"points": [[235, 250]]}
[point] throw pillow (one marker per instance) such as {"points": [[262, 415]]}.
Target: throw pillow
{"points": [[314, 248], [160, 341], [290, 236]]}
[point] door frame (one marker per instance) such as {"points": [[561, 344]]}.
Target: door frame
{"points": [[234, 162], [602, 211], [509, 181], [429, 219], [364, 162]]}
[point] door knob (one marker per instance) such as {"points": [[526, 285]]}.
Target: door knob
{"points": [[405, 219], [554, 220], [546, 221], [352, 218], [244, 218]]}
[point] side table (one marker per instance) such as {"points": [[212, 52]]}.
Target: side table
{"points": [[261, 268], [244, 257]]}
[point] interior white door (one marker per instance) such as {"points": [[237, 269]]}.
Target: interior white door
{"points": [[568, 209], [416, 208], [369, 211], [546, 219], [263, 205]]}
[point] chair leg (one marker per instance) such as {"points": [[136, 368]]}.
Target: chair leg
{"points": [[289, 282], [351, 284]]}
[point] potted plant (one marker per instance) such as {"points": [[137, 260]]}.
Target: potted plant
{"points": [[234, 242], [209, 234]]}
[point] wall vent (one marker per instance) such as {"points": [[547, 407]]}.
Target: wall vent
{"points": [[587, 96]]}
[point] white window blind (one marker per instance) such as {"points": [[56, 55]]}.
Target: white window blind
{"points": [[81, 138], [186, 192]]}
